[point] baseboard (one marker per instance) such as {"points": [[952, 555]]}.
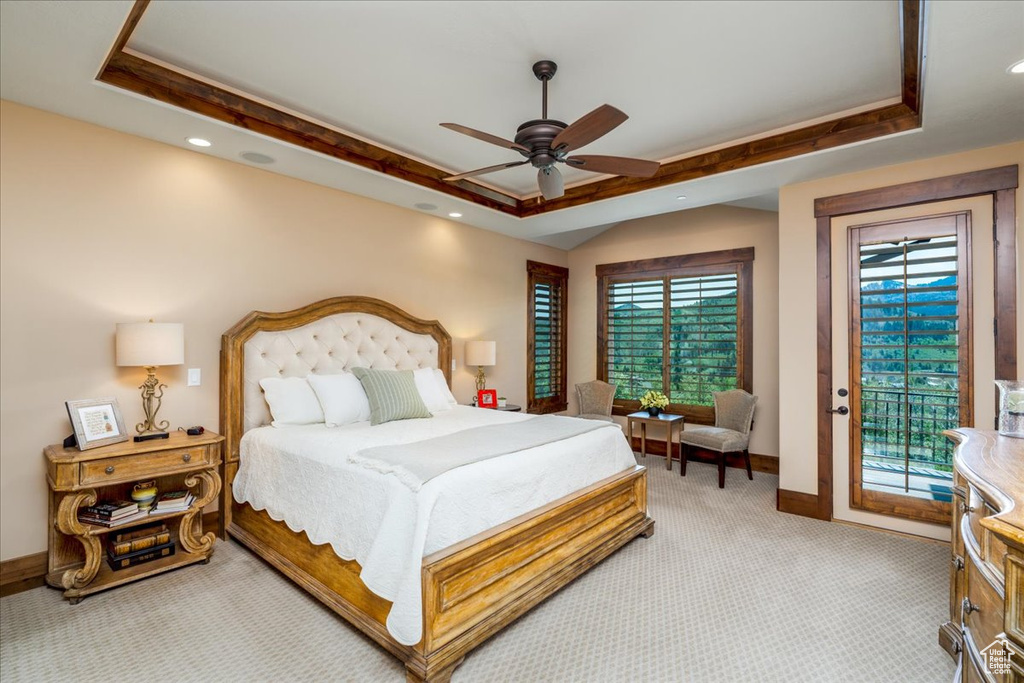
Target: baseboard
{"points": [[29, 571], [797, 503], [768, 464], [22, 573]]}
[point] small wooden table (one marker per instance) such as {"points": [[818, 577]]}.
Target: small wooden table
{"points": [[644, 418]]}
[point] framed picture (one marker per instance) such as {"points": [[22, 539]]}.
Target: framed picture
{"points": [[487, 398], [97, 422]]}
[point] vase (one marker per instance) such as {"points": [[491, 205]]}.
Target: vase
{"points": [[1011, 408], [654, 412]]}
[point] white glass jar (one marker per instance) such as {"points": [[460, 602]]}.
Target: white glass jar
{"points": [[1011, 408]]}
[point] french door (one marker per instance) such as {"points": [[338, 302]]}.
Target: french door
{"points": [[909, 334]]}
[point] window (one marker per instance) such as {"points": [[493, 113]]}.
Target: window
{"points": [[546, 337], [680, 324]]}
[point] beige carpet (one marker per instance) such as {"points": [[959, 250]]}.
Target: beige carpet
{"points": [[726, 590]]}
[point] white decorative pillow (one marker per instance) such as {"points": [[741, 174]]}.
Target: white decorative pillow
{"points": [[342, 398], [429, 391], [442, 384], [291, 401]]}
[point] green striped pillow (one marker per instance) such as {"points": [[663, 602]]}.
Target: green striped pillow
{"points": [[392, 394]]}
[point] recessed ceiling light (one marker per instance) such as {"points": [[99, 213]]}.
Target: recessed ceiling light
{"points": [[455, 214], [1017, 68], [682, 196], [257, 158], [426, 206], [198, 142]]}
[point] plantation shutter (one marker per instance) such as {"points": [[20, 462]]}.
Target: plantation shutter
{"points": [[702, 337], [546, 337], [636, 331]]}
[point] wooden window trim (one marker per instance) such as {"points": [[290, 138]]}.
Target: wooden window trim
{"points": [[738, 261], [558, 277]]}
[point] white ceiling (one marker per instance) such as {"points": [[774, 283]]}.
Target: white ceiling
{"points": [[690, 74]]}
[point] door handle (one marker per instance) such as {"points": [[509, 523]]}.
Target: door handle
{"points": [[842, 410]]}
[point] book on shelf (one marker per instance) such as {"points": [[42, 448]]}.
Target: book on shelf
{"points": [[153, 536], [120, 521], [111, 509], [131, 559], [174, 501], [138, 532]]}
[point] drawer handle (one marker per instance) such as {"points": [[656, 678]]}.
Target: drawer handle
{"points": [[958, 563], [186, 457], [110, 469], [966, 607], [965, 508]]}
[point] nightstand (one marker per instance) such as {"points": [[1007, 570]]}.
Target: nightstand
{"points": [[75, 549], [509, 407]]}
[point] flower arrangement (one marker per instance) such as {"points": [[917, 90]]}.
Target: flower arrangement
{"points": [[654, 399]]}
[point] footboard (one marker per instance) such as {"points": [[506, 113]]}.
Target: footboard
{"points": [[473, 589]]}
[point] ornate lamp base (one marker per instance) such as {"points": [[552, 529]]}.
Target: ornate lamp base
{"points": [[152, 396]]}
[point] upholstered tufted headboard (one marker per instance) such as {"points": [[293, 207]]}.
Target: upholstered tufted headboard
{"points": [[326, 337], [329, 345]]}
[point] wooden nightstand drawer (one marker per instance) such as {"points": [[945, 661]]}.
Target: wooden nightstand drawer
{"points": [[130, 467]]}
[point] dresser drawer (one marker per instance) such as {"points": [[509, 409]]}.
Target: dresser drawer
{"points": [[983, 617], [979, 510], [131, 467]]}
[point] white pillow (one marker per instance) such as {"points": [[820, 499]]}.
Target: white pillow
{"points": [[341, 397], [291, 401], [429, 391], [442, 383]]}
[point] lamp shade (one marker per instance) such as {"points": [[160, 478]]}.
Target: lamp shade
{"points": [[481, 352], [150, 344]]}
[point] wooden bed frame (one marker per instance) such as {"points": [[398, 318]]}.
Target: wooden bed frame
{"points": [[471, 590]]}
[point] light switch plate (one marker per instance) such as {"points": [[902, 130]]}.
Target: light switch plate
{"points": [[195, 377]]}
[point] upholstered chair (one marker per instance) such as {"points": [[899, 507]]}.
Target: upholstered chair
{"points": [[595, 400], [734, 418]]}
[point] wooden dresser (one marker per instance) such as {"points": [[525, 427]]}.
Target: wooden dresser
{"points": [[986, 593]]}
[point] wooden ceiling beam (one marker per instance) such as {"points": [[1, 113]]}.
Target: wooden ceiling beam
{"points": [[139, 75]]}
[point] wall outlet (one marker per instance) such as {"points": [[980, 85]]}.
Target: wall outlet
{"points": [[195, 377]]}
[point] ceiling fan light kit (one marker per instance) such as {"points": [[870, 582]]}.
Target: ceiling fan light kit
{"points": [[546, 142]]}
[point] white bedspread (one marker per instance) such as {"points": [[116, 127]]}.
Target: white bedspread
{"points": [[301, 475]]}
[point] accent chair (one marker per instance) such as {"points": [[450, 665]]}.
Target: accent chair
{"points": [[595, 400], [734, 418]]}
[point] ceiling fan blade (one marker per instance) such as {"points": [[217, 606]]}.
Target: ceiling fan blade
{"points": [[486, 137], [595, 163], [549, 179], [481, 171], [588, 128]]}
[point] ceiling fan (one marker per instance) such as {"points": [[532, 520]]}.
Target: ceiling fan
{"points": [[546, 142]]}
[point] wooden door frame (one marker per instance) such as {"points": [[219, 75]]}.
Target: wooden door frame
{"points": [[1000, 184]]}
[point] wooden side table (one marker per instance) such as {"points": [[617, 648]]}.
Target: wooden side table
{"points": [[75, 552], [644, 418]]}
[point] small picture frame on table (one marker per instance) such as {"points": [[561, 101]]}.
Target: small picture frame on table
{"points": [[487, 398], [97, 422]]}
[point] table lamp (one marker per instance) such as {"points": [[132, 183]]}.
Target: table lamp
{"points": [[150, 345], [480, 354]]}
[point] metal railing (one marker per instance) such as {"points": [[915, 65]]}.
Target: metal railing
{"points": [[904, 427]]}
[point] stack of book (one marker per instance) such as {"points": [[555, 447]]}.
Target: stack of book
{"points": [[173, 501], [139, 545], [111, 513]]}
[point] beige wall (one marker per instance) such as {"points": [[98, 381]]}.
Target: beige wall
{"points": [[98, 227], [686, 232], [797, 286]]}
